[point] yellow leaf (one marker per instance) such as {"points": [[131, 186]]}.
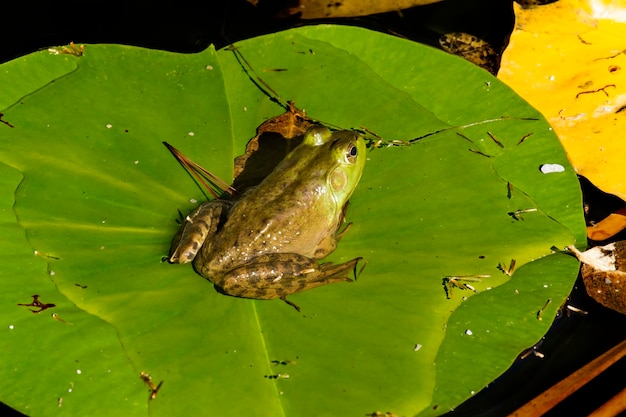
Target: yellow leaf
{"points": [[568, 59], [609, 226]]}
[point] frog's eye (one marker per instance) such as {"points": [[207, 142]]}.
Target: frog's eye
{"points": [[351, 153]]}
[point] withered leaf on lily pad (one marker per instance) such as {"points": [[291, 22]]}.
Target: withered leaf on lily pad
{"points": [[274, 139]]}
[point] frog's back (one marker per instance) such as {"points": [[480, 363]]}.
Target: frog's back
{"points": [[271, 223]]}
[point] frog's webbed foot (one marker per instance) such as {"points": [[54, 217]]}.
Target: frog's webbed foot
{"points": [[343, 231], [279, 275], [199, 225], [329, 273], [342, 220], [337, 272]]}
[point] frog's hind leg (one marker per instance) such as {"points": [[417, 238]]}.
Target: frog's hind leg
{"points": [[279, 275], [328, 273], [197, 226]]}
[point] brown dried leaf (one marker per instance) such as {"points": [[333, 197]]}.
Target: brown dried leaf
{"points": [[475, 50], [604, 274], [275, 138], [318, 9], [606, 287]]}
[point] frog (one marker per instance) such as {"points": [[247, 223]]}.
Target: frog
{"points": [[268, 242]]}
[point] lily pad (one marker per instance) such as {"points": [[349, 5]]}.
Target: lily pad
{"points": [[91, 189]]}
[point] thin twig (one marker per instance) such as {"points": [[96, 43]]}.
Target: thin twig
{"points": [[545, 401], [612, 407]]}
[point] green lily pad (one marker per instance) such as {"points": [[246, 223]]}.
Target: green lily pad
{"points": [[89, 206]]}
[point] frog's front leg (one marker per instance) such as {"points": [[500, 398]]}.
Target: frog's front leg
{"points": [[200, 225], [281, 274]]}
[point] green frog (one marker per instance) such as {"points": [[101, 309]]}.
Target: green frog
{"points": [[267, 243]]}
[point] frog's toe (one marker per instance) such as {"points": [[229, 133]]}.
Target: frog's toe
{"points": [[294, 305], [182, 256], [335, 273]]}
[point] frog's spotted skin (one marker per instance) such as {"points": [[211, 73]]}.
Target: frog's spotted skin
{"points": [[267, 244]]}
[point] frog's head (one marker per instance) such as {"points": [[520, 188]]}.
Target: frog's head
{"points": [[344, 155]]}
